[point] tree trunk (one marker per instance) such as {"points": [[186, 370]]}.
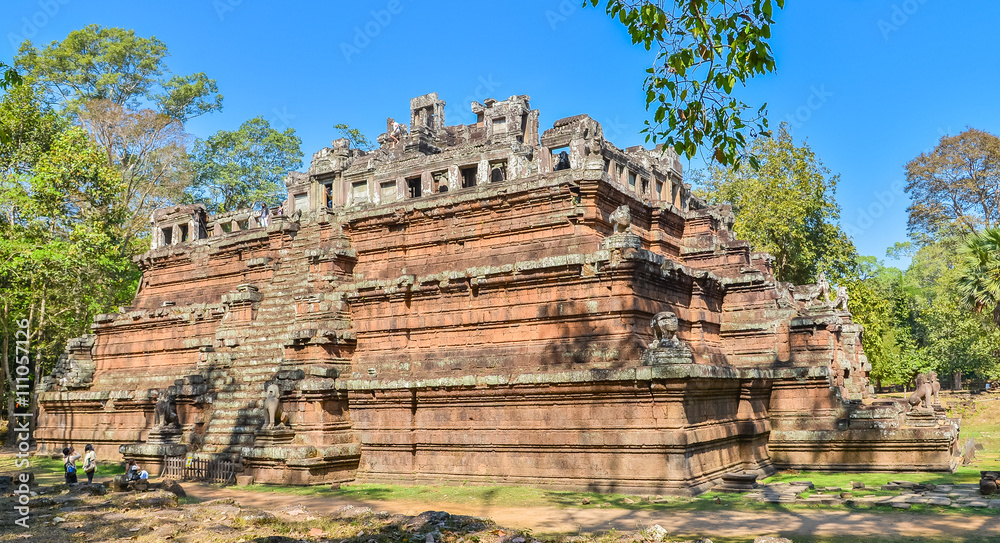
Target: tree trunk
{"points": [[957, 381], [8, 378]]}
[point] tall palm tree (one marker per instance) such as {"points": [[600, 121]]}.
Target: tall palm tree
{"points": [[980, 280]]}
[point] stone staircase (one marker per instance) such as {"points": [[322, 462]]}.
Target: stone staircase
{"points": [[239, 373]]}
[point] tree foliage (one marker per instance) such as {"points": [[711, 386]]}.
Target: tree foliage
{"points": [[113, 64], [919, 319], [60, 247], [787, 208], [979, 282], [10, 78], [237, 168], [355, 136], [705, 48], [149, 152], [956, 185]]}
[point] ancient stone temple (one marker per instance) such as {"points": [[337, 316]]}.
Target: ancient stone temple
{"points": [[481, 303]]}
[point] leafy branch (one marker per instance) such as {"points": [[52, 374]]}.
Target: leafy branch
{"points": [[704, 48]]}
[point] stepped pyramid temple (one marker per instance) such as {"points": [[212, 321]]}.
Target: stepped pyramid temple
{"points": [[481, 303]]}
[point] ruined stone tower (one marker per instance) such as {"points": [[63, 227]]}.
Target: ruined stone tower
{"points": [[474, 303]]}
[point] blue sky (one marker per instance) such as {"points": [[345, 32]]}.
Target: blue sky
{"points": [[869, 84]]}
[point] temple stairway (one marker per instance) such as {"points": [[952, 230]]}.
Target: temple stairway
{"points": [[239, 373]]}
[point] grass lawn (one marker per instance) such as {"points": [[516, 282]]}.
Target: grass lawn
{"points": [[50, 470]]}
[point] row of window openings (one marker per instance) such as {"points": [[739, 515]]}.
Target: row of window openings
{"points": [[632, 178], [227, 228], [414, 185]]}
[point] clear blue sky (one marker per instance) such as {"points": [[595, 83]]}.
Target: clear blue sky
{"points": [[869, 83]]}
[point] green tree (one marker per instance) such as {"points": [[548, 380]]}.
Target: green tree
{"points": [[979, 281], [705, 48], [100, 63], [949, 337], [117, 85], [880, 302], [237, 168], [9, 79], [60, 255], [356, 137], [149, 152], [786, 207], [956, 185]]}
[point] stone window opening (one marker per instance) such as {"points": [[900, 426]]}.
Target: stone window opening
{"points": [[227, 227], [619, 173], [168, 234], [500, 125], [480, 118], [184, 232], [469, 176], [359, 192], [425, 117], [631, 180], [244, 224], [439, 181], [387, 191], [498, 171], [659, 188], [607, 166], [301, 202], [645, 186], [413, 187], [328, 194], [560, 158]]}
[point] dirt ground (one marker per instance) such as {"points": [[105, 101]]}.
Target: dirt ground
{"points": [[718, 523], [212, 514]]}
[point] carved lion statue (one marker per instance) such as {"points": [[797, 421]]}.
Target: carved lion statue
{"points": [[664, 325], [165, 412], [822, 288], [272, 405], [923, 395], [621, 220], [840, 302], [932, 378]]}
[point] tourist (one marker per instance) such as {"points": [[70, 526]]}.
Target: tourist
{"points": [[263, 214], [89, 462], [69, 464], [132, 472]]}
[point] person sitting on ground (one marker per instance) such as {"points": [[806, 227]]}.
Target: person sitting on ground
{"points": [[89, 462], [69, 464], [132, 471]]}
